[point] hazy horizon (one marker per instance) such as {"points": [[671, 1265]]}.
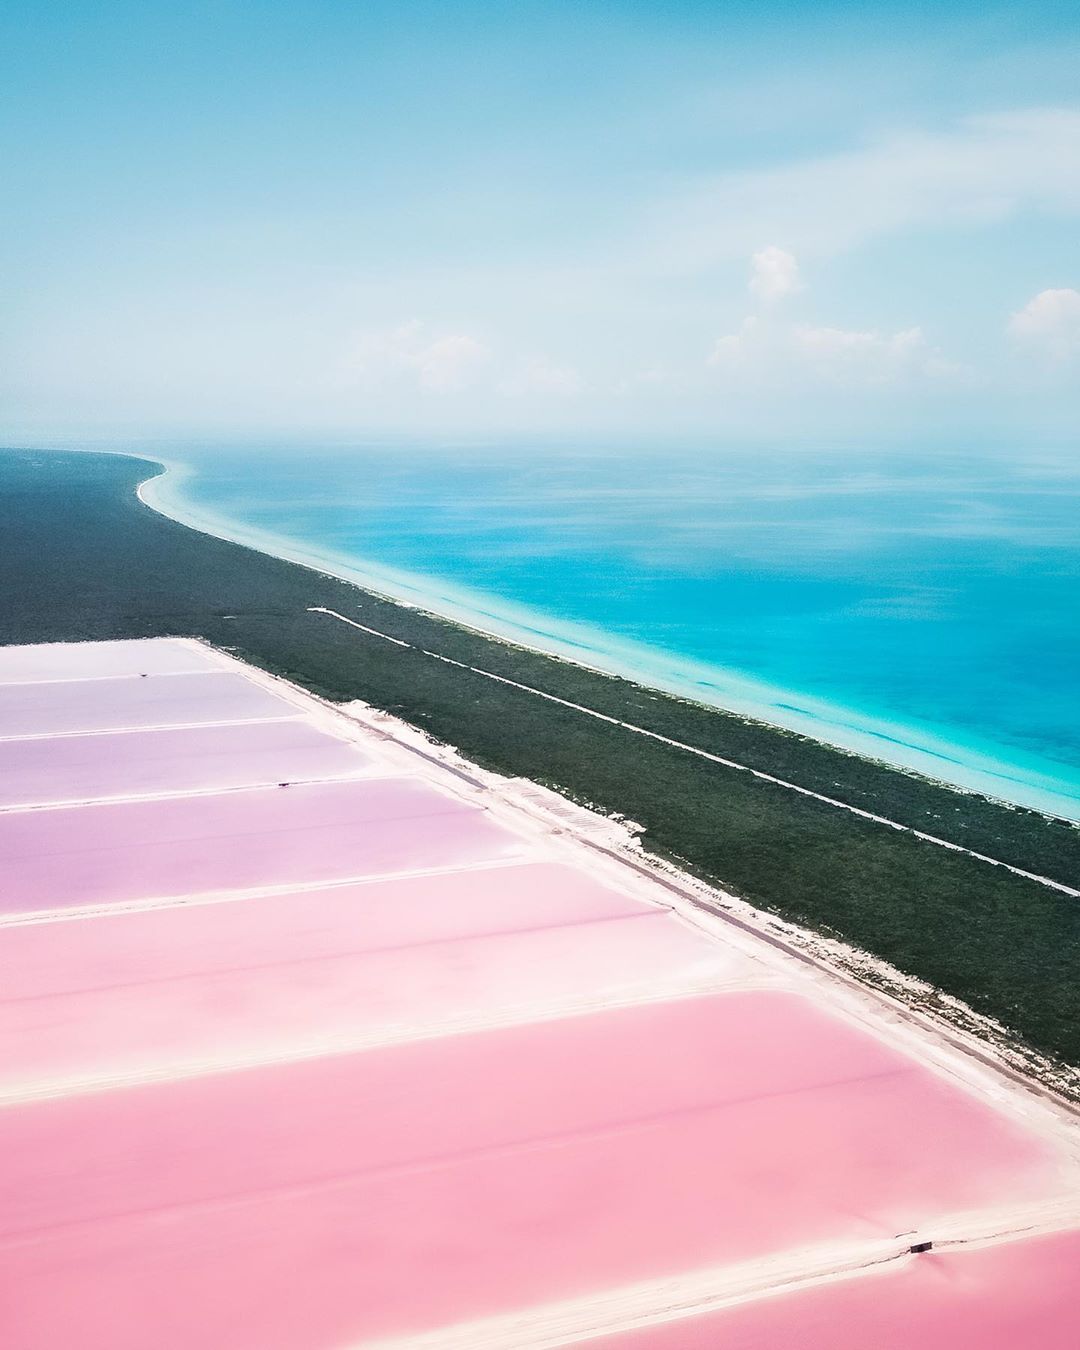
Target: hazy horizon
{"points": [[823, 225]]}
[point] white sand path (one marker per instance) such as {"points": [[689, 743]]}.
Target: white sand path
{"points": [[708, 755]]}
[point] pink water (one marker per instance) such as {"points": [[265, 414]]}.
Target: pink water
{"points": [[93, 660], [346, 1197], [161, 944], [82, 768], [1017, 1296], [292, 1121], [124, 851], [116, 704], [292, 1006]]}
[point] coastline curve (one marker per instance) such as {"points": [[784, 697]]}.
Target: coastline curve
{"points": [[912, 750]]}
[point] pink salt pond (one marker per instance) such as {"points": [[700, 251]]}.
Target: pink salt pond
{"points": [[309, 1067], [1011, 1296], [109, 853], [131, 703], [540, 1163], [135, 763], [50, 661], [286, 1005], [170, 943]]}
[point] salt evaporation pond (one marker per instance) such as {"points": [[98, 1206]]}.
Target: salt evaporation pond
{"points": [[50, 770], [310, 1042], [997, 1298]]}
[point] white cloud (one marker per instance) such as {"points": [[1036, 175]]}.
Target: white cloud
{"points": [[733, 349], [867, 357], [540, 376], [766, 349], [981, 170], [785, 354], [451, 362], [442, 364], [775, 273], [1050, 323]]}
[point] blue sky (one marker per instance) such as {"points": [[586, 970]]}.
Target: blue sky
{"points": [[774, 221]]}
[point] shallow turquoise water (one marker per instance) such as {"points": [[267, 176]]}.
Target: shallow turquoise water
{"points": [[932, 600]]}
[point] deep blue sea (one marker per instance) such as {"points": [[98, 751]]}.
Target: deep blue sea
{"points": [[922, 608]]}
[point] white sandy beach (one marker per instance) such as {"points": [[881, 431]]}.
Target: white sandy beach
{"points": [[917, 749]]}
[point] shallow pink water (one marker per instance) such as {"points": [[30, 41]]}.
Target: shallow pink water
{"points": [[82, 768], [93, 660], [330, 1196], [122, 851], [115, 704], [283, 1008], [340, 1198], [1016, 1296], [160, 944]]}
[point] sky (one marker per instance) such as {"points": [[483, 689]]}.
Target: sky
{"points": [[774, 222]]}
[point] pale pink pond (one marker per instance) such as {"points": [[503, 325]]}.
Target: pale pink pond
{"points": [[116, 704], [271, 976], [39, 960], [1019, 1295], [370, 1105], [124, 851], [82, 768], [95, 660], [322, 1202], [293, 1006]]}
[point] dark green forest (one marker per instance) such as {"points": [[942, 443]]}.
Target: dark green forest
{"points": [[81, 557]]}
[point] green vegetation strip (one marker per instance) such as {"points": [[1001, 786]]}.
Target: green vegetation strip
{"points": [[81, 557], [695, 750]]}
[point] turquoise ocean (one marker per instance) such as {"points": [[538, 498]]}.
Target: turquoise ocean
{"points": [[923, 609]]}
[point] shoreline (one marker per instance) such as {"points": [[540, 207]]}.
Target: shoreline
{"points": [[956, 766], [731, 803]]}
